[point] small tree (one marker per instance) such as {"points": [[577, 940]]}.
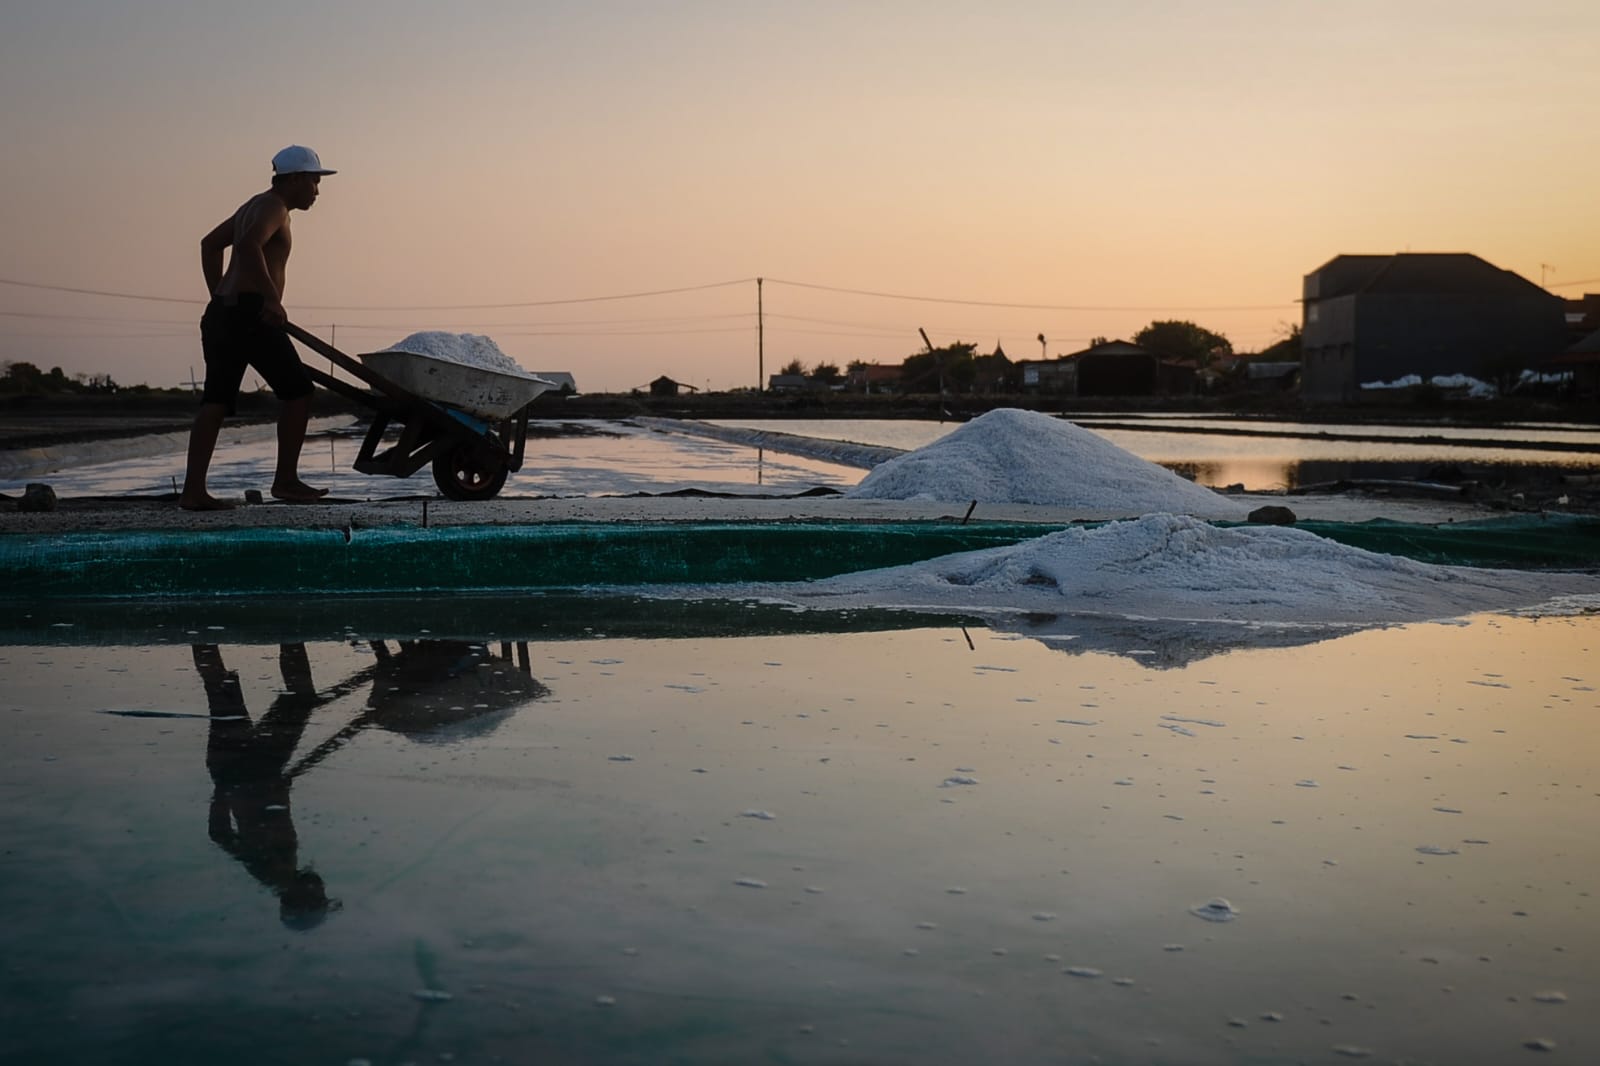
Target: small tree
{"points": [[22, 377], [825, 373], [1184, 340], [794, 367], [1286, 349], [953, 364]]}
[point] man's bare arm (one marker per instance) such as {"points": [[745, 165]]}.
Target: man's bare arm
{"points": [[212, 245]]}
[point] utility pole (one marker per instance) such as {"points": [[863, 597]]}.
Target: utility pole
{"points": [[1044, 350], [761, 343], [1543, 269], [938, 361]]}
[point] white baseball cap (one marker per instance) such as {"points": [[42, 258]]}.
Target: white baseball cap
{"points": [[298, 159]]}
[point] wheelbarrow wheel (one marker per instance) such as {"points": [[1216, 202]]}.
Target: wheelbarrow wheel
{"points": [[467, 473]]}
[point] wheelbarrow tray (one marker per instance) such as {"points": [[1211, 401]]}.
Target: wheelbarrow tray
{"points": [[471, 424], [489, 394]]}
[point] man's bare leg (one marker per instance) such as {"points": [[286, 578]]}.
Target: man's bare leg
{"points": [[286, 483], [202, 443]]}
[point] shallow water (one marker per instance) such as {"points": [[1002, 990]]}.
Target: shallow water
{"points": [[1260, 463], [601, 458], [927, 845]]}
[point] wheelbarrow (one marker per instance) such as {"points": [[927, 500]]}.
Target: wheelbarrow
{"points": [[469, 422]]}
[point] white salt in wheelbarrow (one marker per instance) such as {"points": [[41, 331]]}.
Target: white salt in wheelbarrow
{"points": [[471, 423], [489, 394]]}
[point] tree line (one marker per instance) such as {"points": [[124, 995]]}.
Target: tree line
{"points": [[958, 367], [25, 379]]}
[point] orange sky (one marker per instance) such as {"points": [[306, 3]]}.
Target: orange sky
{"points": [[1163, 159]]}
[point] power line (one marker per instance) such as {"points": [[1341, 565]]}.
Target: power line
{"points": [[1569, 284], [654, 319], [99, 318], [1029, 307], [584, 333], [390, 307]]}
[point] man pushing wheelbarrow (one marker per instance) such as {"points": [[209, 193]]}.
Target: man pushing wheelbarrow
{"points": [[243, 325]]}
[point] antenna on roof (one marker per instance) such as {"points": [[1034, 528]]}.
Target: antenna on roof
{"points": [[1543, 269]]}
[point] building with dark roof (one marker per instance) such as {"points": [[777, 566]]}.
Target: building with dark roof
{"points": [[1370, 318], [1120, 368]]}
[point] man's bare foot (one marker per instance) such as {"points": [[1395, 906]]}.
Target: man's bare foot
{"points": [[297, 492], [205, 502]]}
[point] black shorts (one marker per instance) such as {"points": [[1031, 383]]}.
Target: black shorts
{"points": [[233, 337]]}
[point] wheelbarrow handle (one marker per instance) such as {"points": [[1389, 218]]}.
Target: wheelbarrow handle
{"points": [[345, 362]]}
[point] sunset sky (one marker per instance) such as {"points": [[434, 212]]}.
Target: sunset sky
{"points": [[1104, 164]]}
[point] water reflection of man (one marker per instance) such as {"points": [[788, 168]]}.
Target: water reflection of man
{"points": [[250, 817]]}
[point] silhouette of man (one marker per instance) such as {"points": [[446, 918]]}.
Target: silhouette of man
{"points": [[249, 763], [243, 326]]}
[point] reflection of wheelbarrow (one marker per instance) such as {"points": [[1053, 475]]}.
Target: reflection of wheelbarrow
{"points": [[437, 691], [470, 423]]}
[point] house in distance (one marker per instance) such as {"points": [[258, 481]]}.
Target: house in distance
{"points": [[1371, 318]]}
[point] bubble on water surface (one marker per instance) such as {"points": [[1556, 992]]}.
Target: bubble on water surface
{"points": [[1043, 916], [1448, 810], [1077, 721], [1551, 996], [750, 882], [619, 758], [1540, 1043], [605, 1001], [1215, 910], [765, 816], [432, 995], [1082, 971], [1352, 1051], [1430, 849], [958, 779]]}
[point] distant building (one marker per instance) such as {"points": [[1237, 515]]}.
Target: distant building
{"points": [[665, 386], [1264, 375], [1374, 318], [1047, 375], [788, 383], [1583, 316], [994, 373], [873, 377], [1120, 368], [1582, 359], [566, 384]]}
